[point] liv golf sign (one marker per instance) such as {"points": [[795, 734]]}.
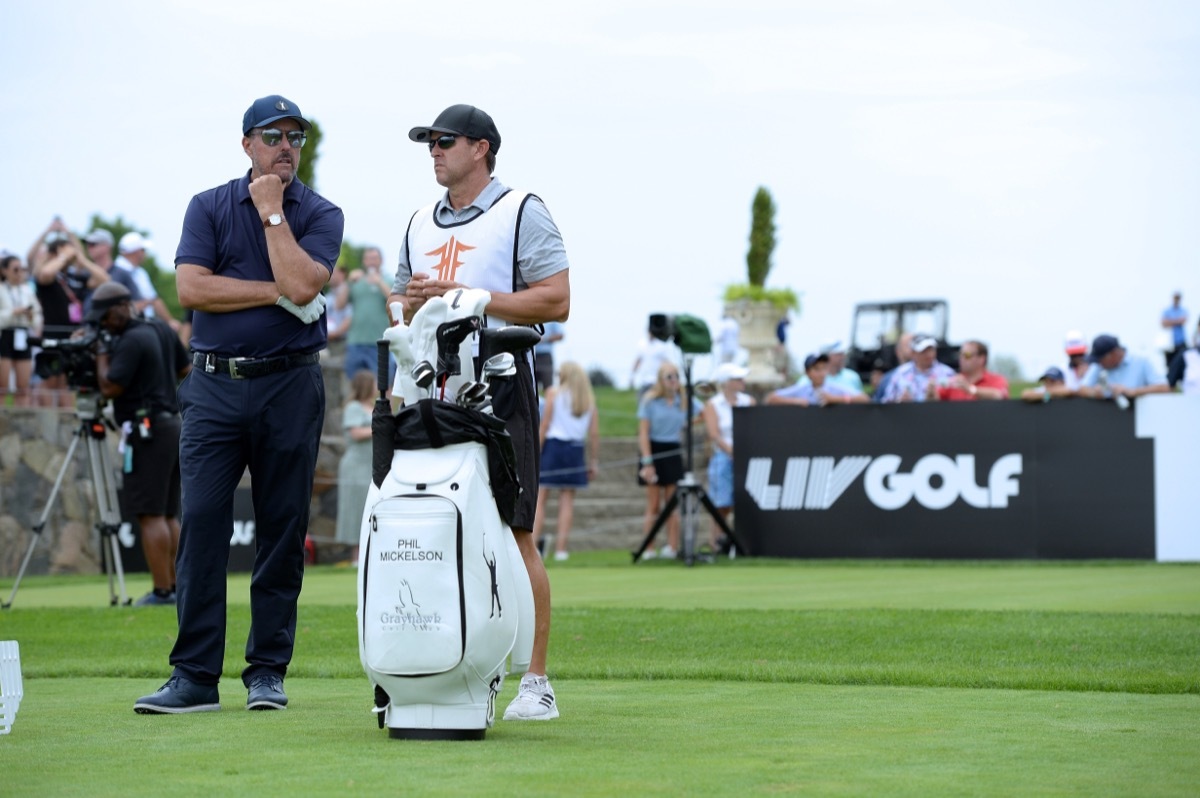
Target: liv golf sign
{"points": [[935, 482], [945, 480]]}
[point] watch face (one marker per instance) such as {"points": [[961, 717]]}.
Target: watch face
{"points": [[274, 220]]}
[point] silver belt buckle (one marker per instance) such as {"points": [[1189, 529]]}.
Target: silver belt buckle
{"points": [[233, 367]]}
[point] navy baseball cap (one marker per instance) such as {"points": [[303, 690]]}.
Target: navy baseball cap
{"points": [[1053, 373], [461, 120], [266, 110], [813, 360], [1102, 345]]}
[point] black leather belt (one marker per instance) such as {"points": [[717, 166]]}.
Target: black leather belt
{"points": [[242, 367]]}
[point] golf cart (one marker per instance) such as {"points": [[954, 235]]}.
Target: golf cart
{"points": [[878, 325]]}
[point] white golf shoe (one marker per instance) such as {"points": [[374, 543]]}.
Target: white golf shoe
{"points": [[534, 701]]}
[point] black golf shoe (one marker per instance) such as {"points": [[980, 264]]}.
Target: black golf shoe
{"points": [[179, 695], [266, 692]]}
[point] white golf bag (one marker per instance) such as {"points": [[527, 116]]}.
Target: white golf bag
{"points": [[444, 600]]}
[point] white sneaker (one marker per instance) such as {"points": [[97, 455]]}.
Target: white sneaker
{"points": [[559, 556], [534, 701], [666, 552], [649, 554]]}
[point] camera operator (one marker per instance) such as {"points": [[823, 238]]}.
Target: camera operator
{"points": [[65, 277], [137, 364]]}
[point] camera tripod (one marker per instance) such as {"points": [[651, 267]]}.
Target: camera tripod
{"points": [[92, 429], [689, 496]]}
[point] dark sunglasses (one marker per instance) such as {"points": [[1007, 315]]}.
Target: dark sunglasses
{"points": [[445, 142], [272, 136]]}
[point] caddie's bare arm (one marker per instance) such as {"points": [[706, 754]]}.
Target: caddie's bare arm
{"points": [[297, 275], [545, 300]]}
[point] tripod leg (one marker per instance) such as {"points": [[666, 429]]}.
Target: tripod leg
{"points": [[721, 522], [104, 482], [687, 514], [24, 564], [658, 524], [41, 523]]}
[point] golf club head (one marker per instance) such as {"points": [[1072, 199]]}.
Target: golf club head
{"points": [[514, 338], [471, 395], [423, 374], [450, 336], [501, 365], [455, 343]]}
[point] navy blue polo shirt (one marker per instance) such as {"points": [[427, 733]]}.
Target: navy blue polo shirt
{"points": [[222, 231]]}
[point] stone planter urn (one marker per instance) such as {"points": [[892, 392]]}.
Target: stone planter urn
{"points": [[757, 320]]}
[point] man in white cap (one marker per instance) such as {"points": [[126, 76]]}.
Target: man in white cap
{"points": [[916, 380], [131, 255], [100, 250]]}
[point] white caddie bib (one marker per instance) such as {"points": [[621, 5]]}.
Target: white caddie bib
{"points": [[480, 252]]}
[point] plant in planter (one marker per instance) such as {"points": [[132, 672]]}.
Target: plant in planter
{"points": [[756, 308]]}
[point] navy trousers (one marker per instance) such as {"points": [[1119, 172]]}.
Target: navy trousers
{"points": [[270, 425]]}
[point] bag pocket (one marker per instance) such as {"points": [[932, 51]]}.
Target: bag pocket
{"points": [[413, 617]]}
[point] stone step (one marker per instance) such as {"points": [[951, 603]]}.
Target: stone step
{"points": [[610, 512]]}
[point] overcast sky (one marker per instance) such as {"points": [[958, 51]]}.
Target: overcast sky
{"points": [[1034, 163]]}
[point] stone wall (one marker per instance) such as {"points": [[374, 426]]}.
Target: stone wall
{"points": [[34, 443]]}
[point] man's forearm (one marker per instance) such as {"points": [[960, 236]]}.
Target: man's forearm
{"points": [[214, 293], [297, 275]]}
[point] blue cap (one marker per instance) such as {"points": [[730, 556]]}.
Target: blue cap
{"points": [[813, 360], [266, 110], [1053, 373]]}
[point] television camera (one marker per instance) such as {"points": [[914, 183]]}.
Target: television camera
{"points": [[75, 357], [689, 333]]}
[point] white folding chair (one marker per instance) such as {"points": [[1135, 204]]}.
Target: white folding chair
{"points": [[11, 689]]}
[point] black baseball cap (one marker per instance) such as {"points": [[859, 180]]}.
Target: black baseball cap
{"points": [[461, 120], [266, 110], [108, 295]]}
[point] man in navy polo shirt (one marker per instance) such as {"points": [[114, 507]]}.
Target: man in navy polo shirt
{"points": [[252, 259]]}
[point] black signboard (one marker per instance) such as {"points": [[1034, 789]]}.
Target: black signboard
{"points": [[961, 480]]}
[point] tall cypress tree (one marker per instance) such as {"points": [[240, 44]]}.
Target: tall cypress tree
{"points": [[762, 237]]}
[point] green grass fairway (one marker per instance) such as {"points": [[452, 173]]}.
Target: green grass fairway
{"points": [[752, 677]]}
